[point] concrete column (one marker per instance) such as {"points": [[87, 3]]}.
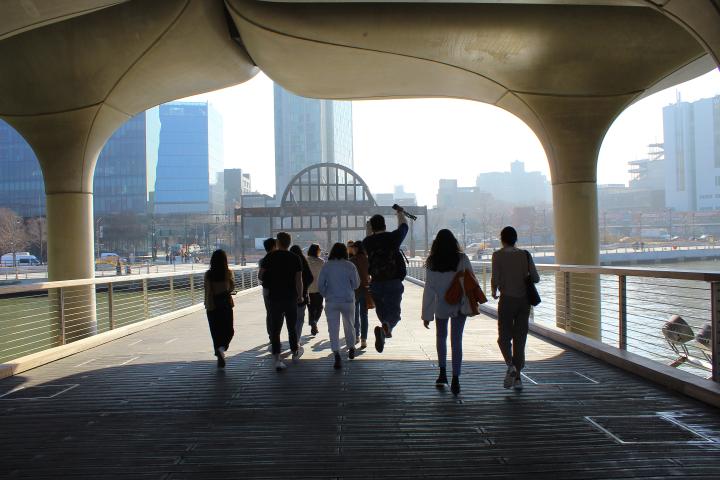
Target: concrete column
{"points": [[576, 223], [577, 243], [70, 256], [70, 235]]}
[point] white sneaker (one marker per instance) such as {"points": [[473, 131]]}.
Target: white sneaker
{"points": [[280, 366], [517, 384], [297, 354], [509, 377], [221, 352]]}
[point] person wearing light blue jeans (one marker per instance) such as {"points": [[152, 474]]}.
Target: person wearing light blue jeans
{"points": [[445, 261]]}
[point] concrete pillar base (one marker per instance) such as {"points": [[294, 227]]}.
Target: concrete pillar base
{"points": [[71, 257], [577, 243]]}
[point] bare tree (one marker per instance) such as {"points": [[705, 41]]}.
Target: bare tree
{"points": [[36, 229], [13, 237]]}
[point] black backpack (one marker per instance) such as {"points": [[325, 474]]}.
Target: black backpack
{"points": [[384, 263]]}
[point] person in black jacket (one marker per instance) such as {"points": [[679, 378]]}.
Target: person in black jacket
{"points": [[307, 279]]}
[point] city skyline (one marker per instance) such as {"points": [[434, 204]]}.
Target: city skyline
{"points": [[401, 141]]}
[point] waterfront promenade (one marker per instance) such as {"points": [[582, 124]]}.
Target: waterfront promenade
{"points": [[153, 405]]}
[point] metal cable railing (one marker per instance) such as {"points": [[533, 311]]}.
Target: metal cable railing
{"points": [[668, 316], [35, 317]]}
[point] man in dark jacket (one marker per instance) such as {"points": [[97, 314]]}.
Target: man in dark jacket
{"points": [[387, 271]]}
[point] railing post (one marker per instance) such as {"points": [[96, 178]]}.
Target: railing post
{"points": [[172, 293], [145, 297], [566, 307], [715, 319], [111, 316], [483, 271], [192, 289], [62, 316], [622, 312]]}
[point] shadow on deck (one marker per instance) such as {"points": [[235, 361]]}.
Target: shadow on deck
{"points": [[153, 405]]}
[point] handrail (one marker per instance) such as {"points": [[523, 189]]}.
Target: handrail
{"points": [[29, 287], [38, 316], [629, 271], [670, 316]]}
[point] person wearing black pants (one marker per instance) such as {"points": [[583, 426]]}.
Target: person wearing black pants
{"points": [[219, 283], [282, 275], [269, 245], [315, 308], [512, 268]]}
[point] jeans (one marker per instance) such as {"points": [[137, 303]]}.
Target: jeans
{"points": [[315, 308], [361, 314], [457, 325], [283, 309], [513, 314], [300, 320], [333, 312], [387, 295]]}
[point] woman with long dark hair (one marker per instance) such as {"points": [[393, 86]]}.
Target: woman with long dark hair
{"points": [[219, 283], [315, 307], [307, 279], [337, 283], [360, 260], [446, 259]]}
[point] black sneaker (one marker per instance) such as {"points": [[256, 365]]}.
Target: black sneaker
{"points": [[314, 330], [338, 362], [455, 385], [351, 353], [220, 361], [379, 339], [442, 379]]}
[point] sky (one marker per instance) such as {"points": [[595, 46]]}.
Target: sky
{"points": [[416, 142]]}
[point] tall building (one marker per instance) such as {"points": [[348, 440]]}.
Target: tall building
{"points": [[124, 175], [399, 196], [21, 182], [309, 131], [451, 196], [125, 172], [190, 163], [237, 184], [692, 155], [516, 187]]}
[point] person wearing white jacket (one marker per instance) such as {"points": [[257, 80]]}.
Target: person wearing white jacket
{"points": [[445, 260], [337, 283]]}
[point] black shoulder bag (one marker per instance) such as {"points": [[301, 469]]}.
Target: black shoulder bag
{"points": [[532, 294]]}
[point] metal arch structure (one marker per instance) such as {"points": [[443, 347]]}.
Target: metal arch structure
{"points": [[324, 197], [327, 182]]}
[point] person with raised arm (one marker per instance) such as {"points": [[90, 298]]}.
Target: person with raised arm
{"points": [[387, 271]]}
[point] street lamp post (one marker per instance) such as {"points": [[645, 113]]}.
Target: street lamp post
{"points": [[17, 223], [464, 224]]}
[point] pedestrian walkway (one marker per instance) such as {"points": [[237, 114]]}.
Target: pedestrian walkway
{"points": [[153, 405]]}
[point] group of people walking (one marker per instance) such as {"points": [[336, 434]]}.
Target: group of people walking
{"points": [[367, 274]]}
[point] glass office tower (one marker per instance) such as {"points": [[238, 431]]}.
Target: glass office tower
{"points": [[124, 175], [125, 171], [309, 131], [21, 182], [190, 160]]}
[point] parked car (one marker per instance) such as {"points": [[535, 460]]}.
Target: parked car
{"points": [[22, 259]]}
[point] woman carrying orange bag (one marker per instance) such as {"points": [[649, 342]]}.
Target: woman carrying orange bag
{"points": [[446, 259]]}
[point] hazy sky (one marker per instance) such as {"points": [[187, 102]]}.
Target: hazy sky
{"points": [[417, 142]]}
